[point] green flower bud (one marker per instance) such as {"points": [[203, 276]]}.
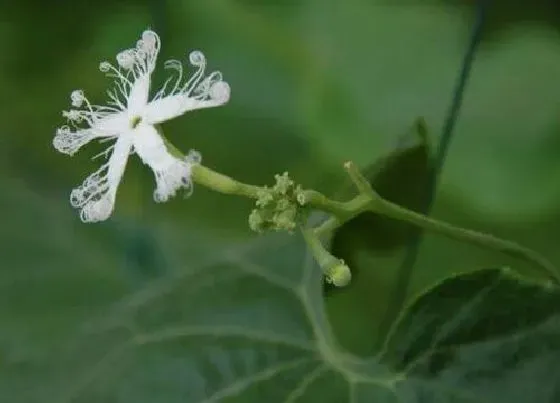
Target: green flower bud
{"points": [[256, 221], [265, 197], [339, 275], [283, 183], [286, 219]]}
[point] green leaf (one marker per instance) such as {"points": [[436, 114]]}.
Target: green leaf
{"points": [[222, 322], [486, 336], [239, 323], [230, 323]]}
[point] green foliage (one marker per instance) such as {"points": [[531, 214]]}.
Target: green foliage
{"points": [[243, 323], [175, 303], [483, 336]]}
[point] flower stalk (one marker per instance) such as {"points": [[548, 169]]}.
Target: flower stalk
{"points": [[336, 272], [369, 200], [221, 183]]}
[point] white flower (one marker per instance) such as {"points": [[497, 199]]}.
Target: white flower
{"points": [[129, 118]]}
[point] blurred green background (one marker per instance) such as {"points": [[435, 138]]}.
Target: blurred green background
{"points": [[314, 83]]}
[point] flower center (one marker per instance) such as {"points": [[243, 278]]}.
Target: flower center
{"points": [[135, 121]]}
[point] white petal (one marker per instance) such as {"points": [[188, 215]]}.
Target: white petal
{"points": [[112, 125], [170, 172], [160, 110], [138, 96], [69, 141], [96, 195], [163, 109]]}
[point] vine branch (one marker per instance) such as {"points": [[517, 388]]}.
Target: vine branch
{"points": [[294, 199]]}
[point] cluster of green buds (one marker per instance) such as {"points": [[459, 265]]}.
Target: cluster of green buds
{"points": [[278, 208]]}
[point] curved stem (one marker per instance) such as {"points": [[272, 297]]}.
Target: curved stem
{"points": [[321, 255], [366, 200], [343, 211], [476, 238], [328, 226], [335, 270], [218, 182]]}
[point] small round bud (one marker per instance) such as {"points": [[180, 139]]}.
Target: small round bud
{"points": [[264, 197], [339, 275], [256, 222], [285, 220], [300, 198], [283, 183]]}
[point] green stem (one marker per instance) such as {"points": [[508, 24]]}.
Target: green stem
{"points": [[476, 238], [334, 269], [328, 226], [221, 183], [224, 184], [343, 211], [366, 200], [321, 255], [360, 181], [212, 179]]}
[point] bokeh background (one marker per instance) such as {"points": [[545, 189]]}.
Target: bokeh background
{"points": [[314, 83]]}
